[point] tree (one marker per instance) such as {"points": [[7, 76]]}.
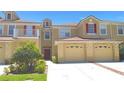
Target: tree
{"points": [[26, 56]]}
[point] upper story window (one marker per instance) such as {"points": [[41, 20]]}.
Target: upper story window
{"points": [[46, 24], [120, 30], [1, 29], [103, 29], [91, 28], [64, 33], [11, 30], [29, 30], [47, 35], [8, 16]]}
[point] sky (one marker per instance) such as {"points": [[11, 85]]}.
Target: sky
{"points": [[61, 17]]}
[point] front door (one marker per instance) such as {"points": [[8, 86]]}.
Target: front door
{"points": [[47, 54]]}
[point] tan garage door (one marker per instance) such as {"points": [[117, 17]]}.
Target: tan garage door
{"points": [[103, 52], [74, 52]]}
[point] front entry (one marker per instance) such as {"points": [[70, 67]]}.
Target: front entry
{"points": [[47, 54]]}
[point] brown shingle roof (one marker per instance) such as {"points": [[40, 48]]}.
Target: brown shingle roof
{"points": [[76, 38]]}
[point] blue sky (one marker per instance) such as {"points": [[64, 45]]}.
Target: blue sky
{"points": [[60, 17]]}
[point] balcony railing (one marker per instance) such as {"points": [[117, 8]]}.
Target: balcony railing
{"points": [[21, 33]]}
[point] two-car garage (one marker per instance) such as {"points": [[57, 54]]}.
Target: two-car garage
{"points": [[85, 50]]}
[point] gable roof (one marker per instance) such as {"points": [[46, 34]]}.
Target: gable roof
{"points": [[91, 16]]}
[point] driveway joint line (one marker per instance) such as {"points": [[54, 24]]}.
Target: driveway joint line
{"points": [[110, 69]]}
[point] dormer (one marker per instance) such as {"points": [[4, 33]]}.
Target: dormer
{"points": [[11, 15], [47, 23]]}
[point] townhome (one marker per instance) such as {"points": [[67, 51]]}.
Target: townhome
{"points": [[14, 32], [90, 40]]}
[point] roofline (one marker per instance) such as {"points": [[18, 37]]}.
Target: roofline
{"points": [[4, 21], [109, 21]]}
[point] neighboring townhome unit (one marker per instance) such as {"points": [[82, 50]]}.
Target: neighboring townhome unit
{"points": [[14, 32], [90, 40]]}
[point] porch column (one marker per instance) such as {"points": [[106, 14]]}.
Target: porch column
{"points": [[15, 33], [38, 33], [60, 52], [89, 51], [116, 52]]}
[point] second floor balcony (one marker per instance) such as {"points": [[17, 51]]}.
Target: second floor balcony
{"points": [[20, 33]]}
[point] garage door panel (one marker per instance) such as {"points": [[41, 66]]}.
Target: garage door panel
{"points": [[74, 52], [103, 52]]}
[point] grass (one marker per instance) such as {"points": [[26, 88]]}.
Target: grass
{"points": [[23, 77]]}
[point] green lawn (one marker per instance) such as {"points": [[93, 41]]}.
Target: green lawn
{"points": [[23, 77]]}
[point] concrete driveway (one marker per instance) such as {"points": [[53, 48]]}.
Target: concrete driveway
{"points": [[81, 72]]}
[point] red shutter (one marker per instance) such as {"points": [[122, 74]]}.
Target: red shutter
{"points": [[33, 31], [87, 27], [94, 28], [25, 29]]}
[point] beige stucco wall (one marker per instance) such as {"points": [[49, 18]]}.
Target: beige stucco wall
{"points": [[8, 48]]}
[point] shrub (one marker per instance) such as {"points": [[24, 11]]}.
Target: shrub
{"points": [[54, 59], [13, 68], [6, 70], [25, 57], [40, 66], [23, 69]]}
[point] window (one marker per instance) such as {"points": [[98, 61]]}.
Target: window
{"points": [[29, 30], [46, 24], [103, 29], [11, 29], [91, 28], [1, 29], [120, 30], [9, 16], [64, 33], [47, 35]]}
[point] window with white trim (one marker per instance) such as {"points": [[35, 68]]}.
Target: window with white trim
{"points": [[1, 30], [11, 30], [29, 30], [64, 32], [47, 35], [103, 29], [120, 30]]}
